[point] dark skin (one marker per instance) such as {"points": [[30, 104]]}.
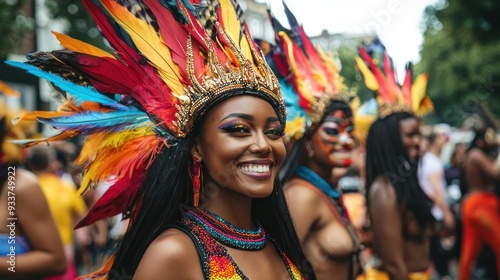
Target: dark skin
{"points": [[324, 239], [239, 132], [46, 256], [401, 251], [480, 170]]}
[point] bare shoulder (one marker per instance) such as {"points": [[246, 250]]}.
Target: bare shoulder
{"points": [[476, 155], [25, 181], [298, 191], [172, 255], [381, 190]]}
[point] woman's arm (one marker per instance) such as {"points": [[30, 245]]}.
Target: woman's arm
{"points": [[46, 255], [386, 221]]}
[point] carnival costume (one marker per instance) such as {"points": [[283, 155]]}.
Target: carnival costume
{"points": [[310, 83], [481, 209], [391, 98], [172, 61]]}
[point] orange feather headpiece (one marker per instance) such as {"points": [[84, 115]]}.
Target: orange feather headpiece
{"points": [[309, 77], [380, 77]]}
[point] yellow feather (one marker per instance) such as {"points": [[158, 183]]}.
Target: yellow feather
{"points": [[80, 46], [295, 129], [232, 27], [89, 147], [418, 90], [149, 44], [117, 139], [101, 147], [370, 80], [362, 124], [426, 106]]}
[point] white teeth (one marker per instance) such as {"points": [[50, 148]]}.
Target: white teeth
{"points": [[255, 168]]}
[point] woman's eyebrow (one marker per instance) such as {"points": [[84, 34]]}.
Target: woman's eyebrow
{"points": [[238, 115], [272, 119]]}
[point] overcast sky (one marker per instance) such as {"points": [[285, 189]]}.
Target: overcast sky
{"points": [[397, 22]]}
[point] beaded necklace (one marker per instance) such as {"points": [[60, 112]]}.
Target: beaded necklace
{"points": [[227, 234], [215, 260]]}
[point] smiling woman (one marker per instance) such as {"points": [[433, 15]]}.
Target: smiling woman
{"points": [[253, 148], [187, 119]]}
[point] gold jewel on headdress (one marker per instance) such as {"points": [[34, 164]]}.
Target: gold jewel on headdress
{"points": [[224, 81], [380, 77]]}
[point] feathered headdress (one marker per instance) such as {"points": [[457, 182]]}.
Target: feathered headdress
{"points": [[380, 77], [172, 61], [364, 116], [309, 78]]}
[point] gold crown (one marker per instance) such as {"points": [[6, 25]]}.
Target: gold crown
{"points": [[319, 107], [385, 109], [222, 81]]}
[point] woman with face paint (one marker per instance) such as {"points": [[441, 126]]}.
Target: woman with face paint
{"points": [[399, 211], [320, 136], [186, 120]]}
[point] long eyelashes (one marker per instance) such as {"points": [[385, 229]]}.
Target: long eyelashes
{"points": [[278, 131]]}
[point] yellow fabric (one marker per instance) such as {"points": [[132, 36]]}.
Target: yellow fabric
{"points": [[64, 204], [373, 274]]}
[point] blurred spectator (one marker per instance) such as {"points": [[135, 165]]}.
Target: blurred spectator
{"points": [[37, 245], [65, 205], [432, 180], [480, 208]]}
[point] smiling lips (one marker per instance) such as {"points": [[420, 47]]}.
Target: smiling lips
{"points": [[258, 170]]}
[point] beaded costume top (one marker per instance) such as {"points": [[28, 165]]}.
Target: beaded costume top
{"points": [[209, 231]]}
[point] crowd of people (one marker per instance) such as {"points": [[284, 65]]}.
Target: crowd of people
{"points": [[194, 151]]}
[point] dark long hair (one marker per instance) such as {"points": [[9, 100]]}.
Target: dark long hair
{"points": [[168, 186], [295, 155], [387, 156]]}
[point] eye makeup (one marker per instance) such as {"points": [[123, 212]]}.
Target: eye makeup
{"points": [[277, 130], [233, 126]]}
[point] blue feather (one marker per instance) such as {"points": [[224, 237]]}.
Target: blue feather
{"points": [[90, 122], [293, 110], [80, 93]]}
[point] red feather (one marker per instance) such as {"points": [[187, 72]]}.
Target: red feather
{"points": [[382, 90], [393, 87], [116, 199], [138, 81], [305, 70], [108, 31], [173, 34], [406, 88], [317, 63]]}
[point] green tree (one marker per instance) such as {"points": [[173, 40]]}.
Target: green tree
{"points": [[461, 52], [80, 24], [14, 25]]}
